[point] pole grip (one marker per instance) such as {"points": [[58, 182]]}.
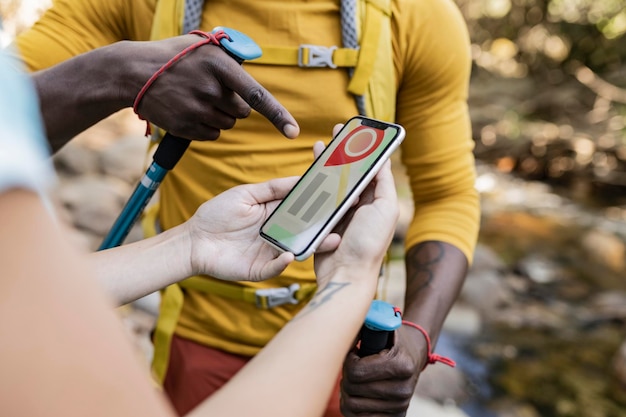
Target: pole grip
{"points": [[170, 150], [377, 332], [373, 341]]}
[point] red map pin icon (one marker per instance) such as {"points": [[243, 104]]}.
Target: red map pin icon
{"points": [[358, 144]]}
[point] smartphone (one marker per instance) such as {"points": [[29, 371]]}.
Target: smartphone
{"points": [[331, 185]]}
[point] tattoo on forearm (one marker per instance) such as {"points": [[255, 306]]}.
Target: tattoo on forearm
{"points": [[323, 296], [421, 262]]}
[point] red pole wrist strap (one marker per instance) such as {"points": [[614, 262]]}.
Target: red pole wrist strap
{"points": [[431, 358], [209, 38]]}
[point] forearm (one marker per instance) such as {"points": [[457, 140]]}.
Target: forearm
{"points": [[81, 91], [60, 334], [440, 244], [303, 361], [132, 271], [435, 272]]}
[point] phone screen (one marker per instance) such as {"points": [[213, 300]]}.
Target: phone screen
{"points": [[329, 182]]}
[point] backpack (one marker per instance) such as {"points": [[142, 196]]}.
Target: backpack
{"points": [[366, 54]]}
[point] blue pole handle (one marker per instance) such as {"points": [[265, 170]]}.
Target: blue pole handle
{"points": [[134, 207], [168, 153]]}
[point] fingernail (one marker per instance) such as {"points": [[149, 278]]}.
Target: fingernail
{"points": [[291, 131]]}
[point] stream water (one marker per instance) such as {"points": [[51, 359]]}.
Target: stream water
{"points": [[549, 349]]}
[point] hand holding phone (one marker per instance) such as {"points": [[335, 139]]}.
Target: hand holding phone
{"points": [[331, 185]]}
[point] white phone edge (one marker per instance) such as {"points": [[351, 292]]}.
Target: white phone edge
{"points": [[338, 215]]}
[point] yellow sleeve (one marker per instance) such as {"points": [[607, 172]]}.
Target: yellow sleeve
{"points": [[432, 53], [72, 27]]}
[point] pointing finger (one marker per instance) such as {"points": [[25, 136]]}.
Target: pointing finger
{"points": [[234, 77]]}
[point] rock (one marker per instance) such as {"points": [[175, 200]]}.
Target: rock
{"points": [[139, 325], [512, 408], [619, 373], [422, 407], [608, 306], [76, 159], [125, 159], [443, 384], [516, 283], [84, 240], [135, 234], [94, 202], [463, 320], [619, 365], [540, 269], [485, 291], [485, 259], [537, 316], [605, 248]]}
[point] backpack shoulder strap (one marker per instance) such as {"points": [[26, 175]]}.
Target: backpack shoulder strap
{"points": [[374, 75], [175, 17], [367, 51]]}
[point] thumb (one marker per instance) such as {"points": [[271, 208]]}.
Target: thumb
{"points": [[276, 266]]}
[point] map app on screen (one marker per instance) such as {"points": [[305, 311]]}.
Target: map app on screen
{"points": [[309, 206]]}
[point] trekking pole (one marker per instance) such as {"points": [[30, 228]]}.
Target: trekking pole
{"points": [[239, 47], [377, 332]]}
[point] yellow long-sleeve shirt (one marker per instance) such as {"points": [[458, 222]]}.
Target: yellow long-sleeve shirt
{"points": [[432, 64]]}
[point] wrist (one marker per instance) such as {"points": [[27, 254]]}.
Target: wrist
{"points": [[134, 63], [425, 346], [177, 249], [358, 271], [131, 67], [109, 74], [360, 278], [187, 250], [200, 250]]}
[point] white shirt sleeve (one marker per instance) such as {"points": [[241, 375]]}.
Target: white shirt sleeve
{"points": [[24, 153]]}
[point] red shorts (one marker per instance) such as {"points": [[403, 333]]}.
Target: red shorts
{"points": [[196, 371]]}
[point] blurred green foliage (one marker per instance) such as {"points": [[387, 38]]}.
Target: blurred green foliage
{"points": [[516, 38], [548, 96]]}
